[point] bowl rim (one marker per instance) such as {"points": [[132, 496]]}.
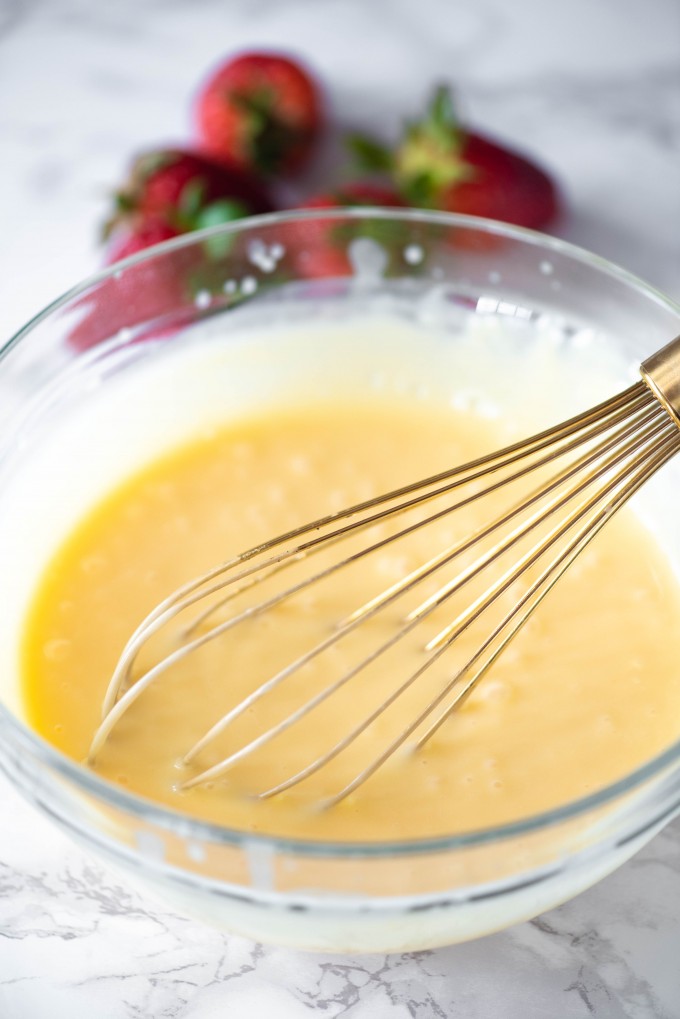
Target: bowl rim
{"points": [[184, 824]]}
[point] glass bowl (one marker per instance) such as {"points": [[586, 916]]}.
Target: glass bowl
{"points": [[443, 270]]}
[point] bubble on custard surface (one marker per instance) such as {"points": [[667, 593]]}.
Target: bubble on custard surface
{"points": [[413, 254], [300, 465], [242, 451], [133, 510], [258, 254], [177, 526], [461, 401], [486, 408], [276, 495], [392, 567], [494, 691], [57, 649], [93, 564], [584, 338], [196, 851], [434, 307], [337, 500], [367, 259], [248, 286], [150, 845], [261, 256]]}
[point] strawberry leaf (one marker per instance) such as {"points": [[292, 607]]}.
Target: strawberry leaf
{"points": [[370, 156], [270, 136], [150, 162], [430, 158], [123, 206], [442, 111], [191, 200], [225, 210], [123, 202], [420, 191]]}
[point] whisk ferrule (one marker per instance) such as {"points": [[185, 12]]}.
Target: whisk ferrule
{"points": [[661, 372]]}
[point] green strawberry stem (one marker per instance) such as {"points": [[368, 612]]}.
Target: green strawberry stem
{"points": [[427, 159], [368, 155], [190, 202]]}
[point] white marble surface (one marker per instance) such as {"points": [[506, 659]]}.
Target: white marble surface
{"points": [[593, 88]]}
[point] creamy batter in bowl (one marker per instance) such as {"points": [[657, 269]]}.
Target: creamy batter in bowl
{"points": [[419, 308]]}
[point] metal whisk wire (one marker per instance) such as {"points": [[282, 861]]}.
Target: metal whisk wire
{"points": [[617, 446]]}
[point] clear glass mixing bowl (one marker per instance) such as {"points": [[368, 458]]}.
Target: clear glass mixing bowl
{"points": [[385, 896]]}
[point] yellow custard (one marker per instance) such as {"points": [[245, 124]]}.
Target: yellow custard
{"points": [[586, 692]]}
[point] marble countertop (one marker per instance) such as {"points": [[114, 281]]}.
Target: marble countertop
{"points": [[592, 88]]}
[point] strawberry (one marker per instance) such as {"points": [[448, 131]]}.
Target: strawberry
{"points": [[151, 299], [139, 301], [186, 191], [144, 235], [439, 164], [261, 112], [155, 298], [325, 251], [359, 193], [143, 298]]}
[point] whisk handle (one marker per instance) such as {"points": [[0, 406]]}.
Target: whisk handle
{"points": [[661, 372]]}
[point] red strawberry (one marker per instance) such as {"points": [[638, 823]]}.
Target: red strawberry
{"points": [[261, 112], [438, 164], [144, 235], [360, 193], [186, 191], [324, 253], [148, 299]]}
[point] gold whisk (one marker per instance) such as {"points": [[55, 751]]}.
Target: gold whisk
{"points": [[602, 457]]}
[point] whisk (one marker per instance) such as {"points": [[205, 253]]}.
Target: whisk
{"points": [[589, 467]]}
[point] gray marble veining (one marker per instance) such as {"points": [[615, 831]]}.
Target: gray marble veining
{"points": [[68, 928]]}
